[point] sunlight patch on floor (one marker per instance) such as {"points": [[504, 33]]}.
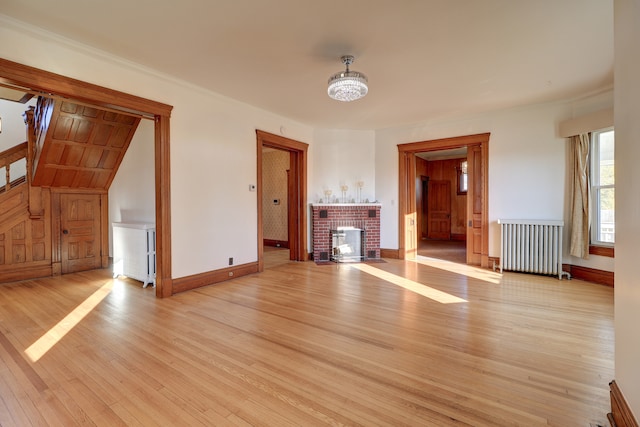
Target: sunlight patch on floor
{"points": [[463, 269], [56, 333], [418, 288]]}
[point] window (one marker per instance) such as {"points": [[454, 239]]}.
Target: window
{"points": [[462, 178], [602, 188]]}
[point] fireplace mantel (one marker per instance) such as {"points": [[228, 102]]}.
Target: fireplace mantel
{"points": [[332, 216]]}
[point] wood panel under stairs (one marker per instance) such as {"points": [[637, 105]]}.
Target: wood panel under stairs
{"points": [[79, 146], [25, 242]]}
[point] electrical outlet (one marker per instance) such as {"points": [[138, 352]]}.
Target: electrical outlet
{"points": [[230, 260]]}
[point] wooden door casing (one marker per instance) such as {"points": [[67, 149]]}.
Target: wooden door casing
{"points": [[407, 190], [475, 206], [439, 210], [408, 239], [297, 197], [80, 228]]}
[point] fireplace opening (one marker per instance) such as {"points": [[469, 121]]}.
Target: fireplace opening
{"points": [[347, 244]]}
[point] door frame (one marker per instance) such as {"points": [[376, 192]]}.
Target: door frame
{"points": [[407, 188], [296, 197], [40, 81]]}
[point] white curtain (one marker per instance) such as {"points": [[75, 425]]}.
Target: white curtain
{"points": [[580, 196]]}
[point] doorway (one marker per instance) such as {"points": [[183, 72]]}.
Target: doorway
{"points": [[37, 81], [296, 194], [441, 203], [476, 222], [276, 186]]}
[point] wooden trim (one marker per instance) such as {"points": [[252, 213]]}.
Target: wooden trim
{"points": [[390, 253], [402, 198], [29, 271], [260, 230], [35, 79], [38, 80], [187, 283], [56, 243], [601, 277], [459, 237], [12, 154], [164, 286], [621, 415], [607, 251], [276, 243], [298, 200], [444, 143], [484, 152], [104, 230]]}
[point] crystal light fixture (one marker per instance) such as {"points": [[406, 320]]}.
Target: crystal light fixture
{"points": [[347, 85]]}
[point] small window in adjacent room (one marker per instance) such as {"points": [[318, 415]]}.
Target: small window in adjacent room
{"points": [[462, 177], [602, 188]]}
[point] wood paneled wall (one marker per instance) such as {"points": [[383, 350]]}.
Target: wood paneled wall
{"points": [[445, 170]]}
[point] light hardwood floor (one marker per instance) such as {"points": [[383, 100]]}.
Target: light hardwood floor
{"points": [[393, 343]]}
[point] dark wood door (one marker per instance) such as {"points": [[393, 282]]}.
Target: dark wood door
{"points": [[80, 228], [439, 209]]}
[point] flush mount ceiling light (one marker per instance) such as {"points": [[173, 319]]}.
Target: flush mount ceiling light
{"points": [[347, 85]]}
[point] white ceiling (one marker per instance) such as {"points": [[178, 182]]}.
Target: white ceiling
{"points": [[425, 59]]}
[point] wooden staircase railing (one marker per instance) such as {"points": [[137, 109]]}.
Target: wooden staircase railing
{"points": [[8, 158], [27, 152]]}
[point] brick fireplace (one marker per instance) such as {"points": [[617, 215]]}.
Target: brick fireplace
{"points": [[329, 217]]}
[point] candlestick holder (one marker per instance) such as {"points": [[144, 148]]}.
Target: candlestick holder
{"points": [[327, 195], [344, 188], [360, 184]]}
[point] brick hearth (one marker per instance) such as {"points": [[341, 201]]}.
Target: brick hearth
{"points": [[327, 217]]}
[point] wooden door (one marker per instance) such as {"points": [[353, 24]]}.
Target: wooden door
{"points": [[80, 232], [474, 206], [409, 238], [439, 210]]}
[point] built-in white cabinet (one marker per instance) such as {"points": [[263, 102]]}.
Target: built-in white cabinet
{"points": [[134, 251]]}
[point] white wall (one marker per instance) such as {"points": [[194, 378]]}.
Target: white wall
{"points": [[14, 132], [627, 125], [132, 192], [213, 147], [343, 157]]}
